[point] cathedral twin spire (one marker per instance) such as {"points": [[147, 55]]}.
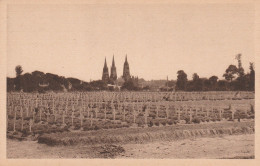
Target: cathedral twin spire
{"points": [[113, 74]]}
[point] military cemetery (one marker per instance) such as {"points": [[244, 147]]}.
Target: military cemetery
{"points": [[130, 81]]}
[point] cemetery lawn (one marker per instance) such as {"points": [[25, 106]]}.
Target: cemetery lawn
{"points": [[149, 134], [229, 146]]}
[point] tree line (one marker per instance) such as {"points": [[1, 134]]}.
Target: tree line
{"points": [[38, 81], [235, 80]]}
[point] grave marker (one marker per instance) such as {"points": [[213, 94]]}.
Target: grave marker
{"points": [[14, 118], [30, 124]]}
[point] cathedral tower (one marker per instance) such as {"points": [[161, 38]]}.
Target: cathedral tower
{"points": [[105, 75], [113, 75], [126, 71]]}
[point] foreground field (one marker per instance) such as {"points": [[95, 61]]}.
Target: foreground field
{"points": [[215, 140], [231, 146], [239, 146]]}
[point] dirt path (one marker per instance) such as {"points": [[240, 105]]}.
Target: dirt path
{"points": [[217, 147], [32, 149]]}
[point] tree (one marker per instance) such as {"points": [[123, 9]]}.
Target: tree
{"points": [[222, 85], [197, 84], [129, 85], [10, 84], [181, 80], [28, 85], [19, 71], [240, 69], [207, 85], [98, 85], [251, 77], [241, 81], [195, 77], [230, 73], [213, 82], [213, 79], [170, 84]]}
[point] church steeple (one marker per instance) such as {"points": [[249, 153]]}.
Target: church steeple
{"points": [[105, 75], [105, 65], [113, 74], [126, 58], [113, 62], [126, 70]]}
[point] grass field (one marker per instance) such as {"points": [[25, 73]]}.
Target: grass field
{"points": [[141, 135]]}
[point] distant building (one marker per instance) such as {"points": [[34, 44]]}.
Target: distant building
{"points": [[113, 80], [135, 81], [113, 74], [105, 75], [126, 71], [120, 81]]}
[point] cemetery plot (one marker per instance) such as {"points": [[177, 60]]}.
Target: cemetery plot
{"points": [[51, 112]]}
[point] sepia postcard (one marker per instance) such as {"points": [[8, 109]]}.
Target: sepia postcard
{"points": [[129, 82]]}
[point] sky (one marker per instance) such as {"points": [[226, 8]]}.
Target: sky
{"points": [[159, 39]]}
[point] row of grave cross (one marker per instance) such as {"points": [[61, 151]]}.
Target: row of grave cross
{"points": [[184, 109], [75, 99]]}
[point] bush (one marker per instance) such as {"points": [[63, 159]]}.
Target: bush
{"points": [[105, 127], [175, 118], [140, 114], [156, 123], [152, 115], [26, 118], [175, 121], [196, 120], [25, 132], [213, 119], [86, 128], [125, 125], [187, 119], [150, 124], [111, 126], [96, 127], [163, 123], [119, 126], [139, 124], [230, 119], [170, 123], [77, 127], [252, 108]]}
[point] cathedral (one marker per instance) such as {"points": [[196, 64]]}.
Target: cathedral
{"points": [[112, 79], [126, 70]]}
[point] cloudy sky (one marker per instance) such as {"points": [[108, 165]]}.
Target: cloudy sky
{"points": [[159, 40]]}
